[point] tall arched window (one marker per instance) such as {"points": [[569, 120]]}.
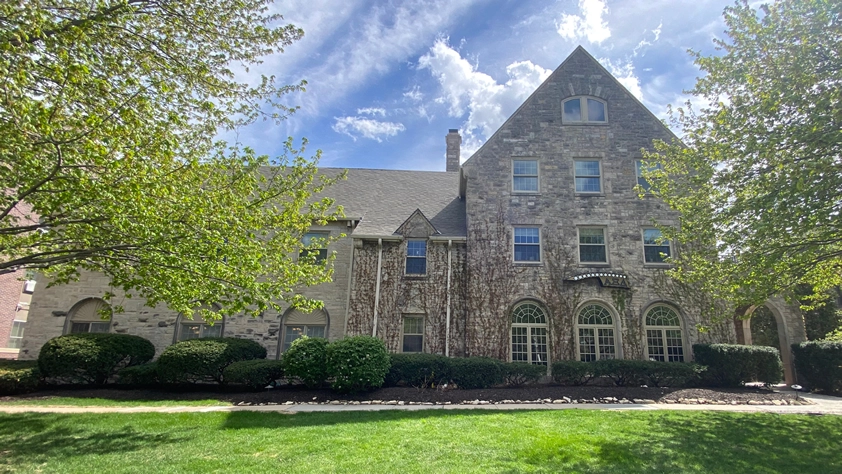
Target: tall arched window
{"points": [[596, 333], [298, 323], [529, 334], [90, 315], [663, 335], [197, 327]]}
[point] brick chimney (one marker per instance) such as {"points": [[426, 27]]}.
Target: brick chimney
{"points": [[454, 140]]}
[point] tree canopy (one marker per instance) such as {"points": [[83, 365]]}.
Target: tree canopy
{"points": [[108, 161], [757, 175]]}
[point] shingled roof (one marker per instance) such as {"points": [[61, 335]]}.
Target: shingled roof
{"points": [[384, 199]]}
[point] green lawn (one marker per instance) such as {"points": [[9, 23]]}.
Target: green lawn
{"points": [[106, 402], [422, 441]]}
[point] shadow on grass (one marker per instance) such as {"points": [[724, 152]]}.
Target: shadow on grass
{"points": [[41, 437], [251, 419]]}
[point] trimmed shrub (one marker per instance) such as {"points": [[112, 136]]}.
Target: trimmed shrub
{"points": [[357, 363], [818, 364], [671, 374], [418, 370], [142, 375], [92, 358], [205, 359], [622, 372], [306, 361], [476, 372], [255, 374], [19, 376], [572, 372], [732, 365], [517, 374]]}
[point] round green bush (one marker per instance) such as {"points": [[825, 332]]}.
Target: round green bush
{"points": [[306, 361], [572, 372], [357, 363], [19, 376], [92, 358], [143, 375], [818, 364], [477, 372], [205, 359], [517, 374], [732, 365], [254, 374], [418, 370]]}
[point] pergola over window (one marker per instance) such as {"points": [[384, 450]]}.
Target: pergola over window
{"points": [[529, 334], [663, 335], [90, 315], [595, 327]]}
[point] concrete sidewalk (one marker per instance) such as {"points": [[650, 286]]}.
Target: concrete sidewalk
{"points": [[821, 405]]}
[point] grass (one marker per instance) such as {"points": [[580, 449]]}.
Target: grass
{"points": [[106, 402], [422, 441]]}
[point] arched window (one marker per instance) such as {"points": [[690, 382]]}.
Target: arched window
{"points": [[663, 335], [583, 109], [596, 333], [529, 334], [197, 327], [298, 323], [90, 315]]}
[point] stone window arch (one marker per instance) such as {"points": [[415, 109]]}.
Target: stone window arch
{"points": [[297, 323], [197, 327], [595, 333], [664, 334], [529, 334], [87, 316]]}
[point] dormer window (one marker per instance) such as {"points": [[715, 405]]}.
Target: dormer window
{"points": [[583, 109]]}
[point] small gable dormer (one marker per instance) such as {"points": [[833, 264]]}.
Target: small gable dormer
{"points": [[417, 226]]}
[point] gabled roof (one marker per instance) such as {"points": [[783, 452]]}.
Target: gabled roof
{"points": [[417, 225], [383, 199]]}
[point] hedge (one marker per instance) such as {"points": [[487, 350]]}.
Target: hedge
{"points": [[205, 359], [144, 375], [357, 363], [572, 372], [672, 374], [418, 370], [255, 374], [818, 364], [732, 365], [476, 372], [92, 358], [306, 361], [517, 374], [19, 376]]}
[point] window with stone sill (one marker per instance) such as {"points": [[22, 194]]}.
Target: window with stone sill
{"points": [[584, 110], [413, 334], [525, 176], [656, 249], [416, 257], [592, 247], [588, 176], [527, 246]]}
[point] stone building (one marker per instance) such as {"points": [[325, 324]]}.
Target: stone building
{"points": [[537, 248]]}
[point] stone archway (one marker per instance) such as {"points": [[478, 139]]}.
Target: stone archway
{"points": [[779, 325]]}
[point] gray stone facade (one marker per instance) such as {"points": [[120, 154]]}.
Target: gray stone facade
{"points": [[475, 296]]}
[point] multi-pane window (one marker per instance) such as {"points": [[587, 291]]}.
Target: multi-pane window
{"points": [[527, 244], [413, 334], [587, 177], [196, 329], [416, 257], [525, 176], [315, 246], [655, 248], [596, 334], [297, 323], [529, 334], [16, 336], [91, 315], [295, 331], [583, 109], [663, 335], [592, 245], [640, 168]]}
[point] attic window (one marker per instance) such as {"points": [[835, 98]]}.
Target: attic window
{"points": [[583, 109]]}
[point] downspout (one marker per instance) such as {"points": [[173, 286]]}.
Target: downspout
{"points": [[449, 270], [377, 287]]}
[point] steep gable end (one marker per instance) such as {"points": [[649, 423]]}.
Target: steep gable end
{"points": [[417, 226]]}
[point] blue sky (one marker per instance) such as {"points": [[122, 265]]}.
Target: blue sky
{"points": [[386, 80]]}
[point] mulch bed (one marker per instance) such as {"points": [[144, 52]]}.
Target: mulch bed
{"points": [[409, 395]]}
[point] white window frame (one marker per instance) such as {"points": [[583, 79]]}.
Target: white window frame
{"points": [[663, 334], [101, 323], [405, 318], [515, 244], [530, 336], [579, 244], [203, 328], [408, 257], [615, 332], [537, 176], [645, 245], [599, 176], [583, 108], [15, 341], [306, 329]]}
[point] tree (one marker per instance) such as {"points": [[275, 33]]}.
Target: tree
{"points": [[757, 175], [108, 113]]}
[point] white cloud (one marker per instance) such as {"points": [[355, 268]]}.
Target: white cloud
{"points": [[372, 111], [366, 127], [590, 23], [624, 72], [414, 95], [645, 42], [466, 90]]}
